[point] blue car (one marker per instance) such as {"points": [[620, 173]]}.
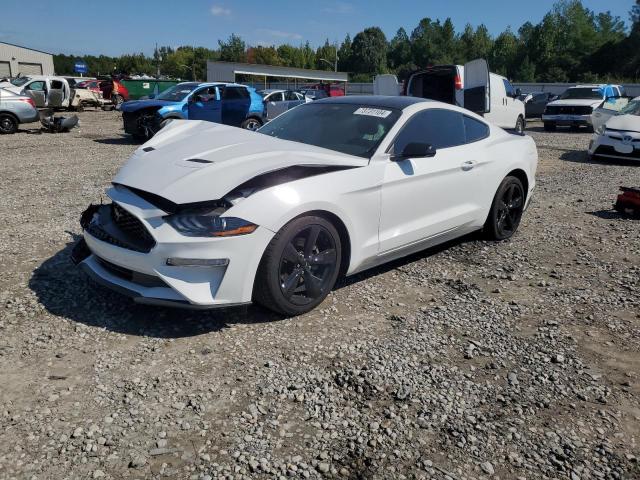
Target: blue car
{"points": [[227, 103]]}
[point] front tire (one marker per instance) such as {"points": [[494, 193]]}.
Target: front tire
{"points": [[251, 124], [299, 267], [117, 99], [8, 124], [506, 210], [520, 125]]}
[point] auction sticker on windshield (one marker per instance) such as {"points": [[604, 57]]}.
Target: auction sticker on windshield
{"points": [[372, 112]]}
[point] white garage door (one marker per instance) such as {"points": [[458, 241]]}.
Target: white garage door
{"points": [[5, 69], [30, 68]]}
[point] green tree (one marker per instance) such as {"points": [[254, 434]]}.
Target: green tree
{"points": [[504, 54], [345, 55], [399, 53], [327, 52], [370, 52], [233, 50]]}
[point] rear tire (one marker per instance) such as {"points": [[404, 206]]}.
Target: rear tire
{"points": [[8, 124], [506, 210], [549, 126], [251, 124], [520, 125], [117, 99], [299, 267]]}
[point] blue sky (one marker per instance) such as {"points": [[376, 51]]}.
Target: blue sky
{"points": [[127, 26]]}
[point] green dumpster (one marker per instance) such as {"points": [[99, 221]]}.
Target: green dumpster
{"points": [[146, 87]]}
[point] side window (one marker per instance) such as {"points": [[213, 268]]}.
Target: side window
{"points": [[56, 85], [35, 86], [207, 94], [623, 92], [235, 93], [440, 128], [540, 98], [276, 97], [509, 88], [475, 130], [289, 95]]}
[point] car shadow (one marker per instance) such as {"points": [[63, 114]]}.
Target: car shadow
{"points": [[611, 215], [581, 156], [122, 140], [64, 290]]}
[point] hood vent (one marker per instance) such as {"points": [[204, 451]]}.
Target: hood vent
{"points": [[199, 160]]}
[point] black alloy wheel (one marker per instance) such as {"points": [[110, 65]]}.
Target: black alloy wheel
{"points": [[8, 124], [299, 267], [307, 265], [506, 210]]}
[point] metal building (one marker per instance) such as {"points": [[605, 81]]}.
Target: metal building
{"points": [[227, 71], [16, 60]]}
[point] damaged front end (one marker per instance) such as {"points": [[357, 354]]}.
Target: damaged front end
{"points": [[142, 123]]}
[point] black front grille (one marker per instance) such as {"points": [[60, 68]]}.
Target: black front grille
{"points": [[116, 226], [130, 275], [608, 150], [568, 110], [131, 226]]}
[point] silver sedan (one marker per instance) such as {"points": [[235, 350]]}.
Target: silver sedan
{"points": [[14, 110]]}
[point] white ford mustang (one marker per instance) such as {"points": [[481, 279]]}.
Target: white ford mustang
{"points": [[206, 215]]}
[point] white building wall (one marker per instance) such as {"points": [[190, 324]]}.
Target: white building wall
{"points": [[31, 59]]}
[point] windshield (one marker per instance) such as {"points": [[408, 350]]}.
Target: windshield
{"points": [[351, 129], [632, 108], [18, 82], [177, 93], [582, 94]]}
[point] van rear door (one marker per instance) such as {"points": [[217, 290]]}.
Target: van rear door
{"points": [[477, 91]]}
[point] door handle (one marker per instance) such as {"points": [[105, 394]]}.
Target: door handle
{"points": [[466, 166]]}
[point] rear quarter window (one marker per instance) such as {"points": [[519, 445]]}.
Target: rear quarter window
{"points": [[475, 130]]}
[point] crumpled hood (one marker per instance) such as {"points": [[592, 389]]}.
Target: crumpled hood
{"points": [[579, 102], [134, 105], [629, 123], [10, 87], [225, 157]]}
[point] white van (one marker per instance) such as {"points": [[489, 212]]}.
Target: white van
{"points": [[471, 86]]}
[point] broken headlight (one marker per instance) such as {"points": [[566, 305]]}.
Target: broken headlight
{"points": [[209, 225]]}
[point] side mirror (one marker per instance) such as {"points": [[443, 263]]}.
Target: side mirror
{"points": [[415, 150]]}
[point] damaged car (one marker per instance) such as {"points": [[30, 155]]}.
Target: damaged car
{"points": [[206, 215], [227, 103], [619, 137]]}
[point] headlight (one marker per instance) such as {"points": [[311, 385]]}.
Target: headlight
{"points": [[210, 225]]}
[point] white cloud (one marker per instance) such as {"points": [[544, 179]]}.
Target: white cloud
{"points": [[340, 8], [281, 34], [220, 11]]}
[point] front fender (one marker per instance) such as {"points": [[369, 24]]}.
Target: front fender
{"points": [[173, 111]]}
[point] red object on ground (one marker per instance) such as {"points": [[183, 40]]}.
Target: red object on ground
{"points": [[628, 201]]}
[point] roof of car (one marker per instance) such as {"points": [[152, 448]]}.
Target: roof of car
{"points": [[399, 102]]}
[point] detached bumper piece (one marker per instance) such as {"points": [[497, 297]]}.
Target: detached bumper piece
{"points": [[628, 201]]}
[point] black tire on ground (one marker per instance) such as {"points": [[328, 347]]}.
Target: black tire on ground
{"points": [[117, 99], [299, 267], [506, 210], [520, 125], [549, 127], [251, 124], [8, 123]]}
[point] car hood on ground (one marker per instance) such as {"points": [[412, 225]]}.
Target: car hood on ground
{"points": [[586, 102], [196, 161], [628, 123], [133, 105]]}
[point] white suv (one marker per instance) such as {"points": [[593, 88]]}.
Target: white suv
{"points": [[576, 104]]}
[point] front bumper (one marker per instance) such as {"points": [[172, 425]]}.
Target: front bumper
{"points": [[567, 119], [148, 279], [604, 146]]}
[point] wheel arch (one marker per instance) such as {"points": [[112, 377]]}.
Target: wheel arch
{"points": [[522, 176], [11, 114], [345, 239]]}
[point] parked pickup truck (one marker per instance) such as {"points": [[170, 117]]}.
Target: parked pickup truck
{"points": [[53, 92], [576, 105], [228, 103]]}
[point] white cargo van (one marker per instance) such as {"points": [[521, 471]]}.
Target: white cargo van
{"points": [[471, 86]]}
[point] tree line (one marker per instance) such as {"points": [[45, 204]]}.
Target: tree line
{"points": [[570, 44]]}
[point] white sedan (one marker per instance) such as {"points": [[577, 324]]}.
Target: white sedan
{"points": [[206, 215], [619, 136]]}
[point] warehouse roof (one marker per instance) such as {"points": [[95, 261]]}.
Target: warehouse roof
{"points": [[226, 71], [26, 48]]}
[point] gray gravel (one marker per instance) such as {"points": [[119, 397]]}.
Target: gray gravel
{"points": [[478, 360]]}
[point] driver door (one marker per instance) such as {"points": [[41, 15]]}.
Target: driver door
{"points": [[235, 105], [205, 104], [275, 105], [37, 90], [424, 199]]}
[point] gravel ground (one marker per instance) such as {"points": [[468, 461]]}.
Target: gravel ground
{"points": [[517, 360]]}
